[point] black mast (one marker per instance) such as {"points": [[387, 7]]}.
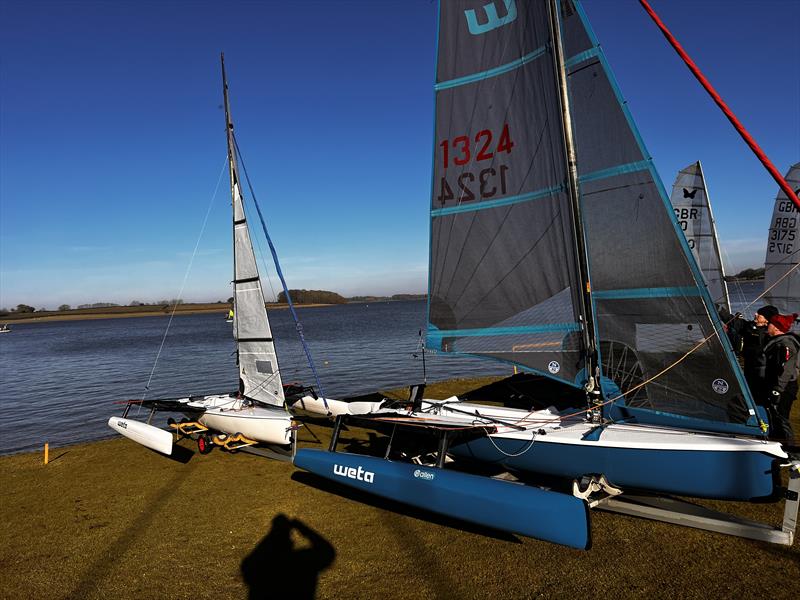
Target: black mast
{"points": [[589, 340]]}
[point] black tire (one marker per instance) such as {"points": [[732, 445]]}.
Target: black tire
{"points": [[204, 444], [171, 421]]}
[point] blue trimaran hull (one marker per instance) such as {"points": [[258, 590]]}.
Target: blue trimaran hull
{"points": [[502, 505], [702, 474]]}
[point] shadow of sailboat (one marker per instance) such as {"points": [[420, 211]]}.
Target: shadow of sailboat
{"points": [[277, 569]]}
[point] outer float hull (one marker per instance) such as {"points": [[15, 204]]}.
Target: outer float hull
{"points": [[503, 505], [144, 434]]}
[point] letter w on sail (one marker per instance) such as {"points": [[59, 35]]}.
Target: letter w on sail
{"points": [[493, 20]]}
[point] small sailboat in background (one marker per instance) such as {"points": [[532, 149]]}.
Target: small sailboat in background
{"points": [[692, 205], [782, 263], [257, 412], [229, 317]]}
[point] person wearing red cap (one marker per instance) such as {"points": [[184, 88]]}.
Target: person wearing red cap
{"points": [[782, 352], [754, 338]]}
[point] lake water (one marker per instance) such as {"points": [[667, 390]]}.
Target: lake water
{"points": [[60, 379]]}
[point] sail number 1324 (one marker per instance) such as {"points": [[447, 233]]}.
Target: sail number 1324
{"points": [[484, 183]]}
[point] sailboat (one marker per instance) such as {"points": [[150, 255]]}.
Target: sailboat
{"points": [[692, 206], [257, 412], [782, 263], [554, 248]]}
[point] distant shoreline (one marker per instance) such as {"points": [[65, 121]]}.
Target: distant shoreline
{"points": [[125, 312]]}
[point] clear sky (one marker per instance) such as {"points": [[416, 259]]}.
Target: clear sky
{"points": [[112, 135]]}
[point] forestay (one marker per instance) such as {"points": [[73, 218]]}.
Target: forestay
{"points": [[258, 363], [782, 264], [692, 206]]}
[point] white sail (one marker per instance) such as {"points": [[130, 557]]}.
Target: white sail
{"points": [[692, 208], [782, 264], [258, 362]]}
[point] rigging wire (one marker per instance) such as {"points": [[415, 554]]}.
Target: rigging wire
{"points": [[298, 326], [699, 345], [185, 278]]}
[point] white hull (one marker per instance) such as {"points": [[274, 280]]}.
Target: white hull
{"points": [[231, 415], [144, 434], [547, 427], [335, 408]]}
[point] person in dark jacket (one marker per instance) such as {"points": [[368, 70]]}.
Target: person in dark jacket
{"points": [[754, 338], [782, 353]]}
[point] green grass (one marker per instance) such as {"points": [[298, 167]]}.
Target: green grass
{"points": [[114, 520]]}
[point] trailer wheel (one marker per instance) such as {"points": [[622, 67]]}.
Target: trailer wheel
{"points": [[204, 445]]}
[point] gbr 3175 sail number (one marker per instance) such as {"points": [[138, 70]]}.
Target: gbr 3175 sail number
{"points": [[465, 182]]}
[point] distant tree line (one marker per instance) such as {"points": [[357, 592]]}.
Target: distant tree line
{"points": [[749, 274], [312, 297], [387, 298]]}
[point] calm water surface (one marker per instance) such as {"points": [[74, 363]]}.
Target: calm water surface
{"points": [[60, 379]]}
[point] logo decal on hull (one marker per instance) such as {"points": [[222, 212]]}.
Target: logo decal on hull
{"points": [[720, 386], [353, 473], [554, 367], [426, 475]]}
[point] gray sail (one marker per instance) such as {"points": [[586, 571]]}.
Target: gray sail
{"points": [[502, 262], [692, 207], [782, 264], [651, 305], [258, 362]]}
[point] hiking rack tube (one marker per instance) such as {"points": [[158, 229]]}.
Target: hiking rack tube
{"points": [[502, 505]]}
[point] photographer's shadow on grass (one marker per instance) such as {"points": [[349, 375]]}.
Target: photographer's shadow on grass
{"points": [[277, 569]]}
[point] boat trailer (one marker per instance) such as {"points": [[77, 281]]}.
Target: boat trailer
{"points": [[601, 495]]}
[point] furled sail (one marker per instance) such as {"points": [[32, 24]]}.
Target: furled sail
{"points": [[782, 264], [502, 280], [652, 309], [692, 208], [258, 363]]}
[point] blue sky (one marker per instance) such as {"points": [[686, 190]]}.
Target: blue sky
{"points": [[112, 136]]}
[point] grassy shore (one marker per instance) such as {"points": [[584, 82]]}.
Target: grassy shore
{"points": [[112, 519]]}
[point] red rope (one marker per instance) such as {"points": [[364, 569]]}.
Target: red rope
{"points": [[790, 193]]}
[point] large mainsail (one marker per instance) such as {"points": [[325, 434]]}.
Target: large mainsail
{"points": [[692, 208], [503, 269], [782, 264], [258, 363], [502, 265]]}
